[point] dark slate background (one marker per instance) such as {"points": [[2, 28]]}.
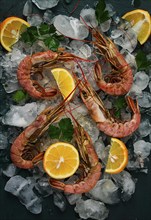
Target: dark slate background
{"points": [[139, 207]]}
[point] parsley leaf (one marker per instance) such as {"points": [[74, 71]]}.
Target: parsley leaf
{"points": [[117, 113], [142, 62], [63, 132], [30, 35], [46, 33], [54, 132], [52, 43], [19, 96], [43, 29], [67, 129], [102, 15], [118, 104]]}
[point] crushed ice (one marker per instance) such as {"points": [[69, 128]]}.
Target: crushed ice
{"points": [[110, 189], [87, 15], [22, 116], [45, 4], [76, 29]]}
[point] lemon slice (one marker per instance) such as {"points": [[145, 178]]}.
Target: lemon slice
{"points": [[118, 157], [11, 28], [61, 160], [64, 81], [141, 23]]}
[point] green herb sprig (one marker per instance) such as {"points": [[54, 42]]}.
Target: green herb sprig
{"points": [[64, 130], [46, 33], [20, 96], [142, 62], [101, 13], [118, 105]]}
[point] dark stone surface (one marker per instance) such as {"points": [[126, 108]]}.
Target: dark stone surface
{"points": [[139, 207]]}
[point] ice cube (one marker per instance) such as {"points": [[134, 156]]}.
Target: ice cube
{"points": [[73, 198], [91, 209], [126, 183], [76, 45], [10, 170], [34, 20], [59, 201], [3, 141], [45, 4], [87, 69], [141, 79], [28, 198], [84, 51], [90, 126], [16, 55], [133, 165], [110, 9], [10, 83], [128, 40], [142, 148], [135, 92], [26, 194], [144, 127], [31, 181], [99, 147], [116, 33], [133, 2], [105, 191], [10, 62], [21, 116], [43, 187], [70, 27], [108, 103], [27, 10], [126, 116], [15, 184], [87, 15], [11, 86], [47, 17], [145, 100], [12, 133], [35, 206], [105, 26], [104, 153], [130, 59]]}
